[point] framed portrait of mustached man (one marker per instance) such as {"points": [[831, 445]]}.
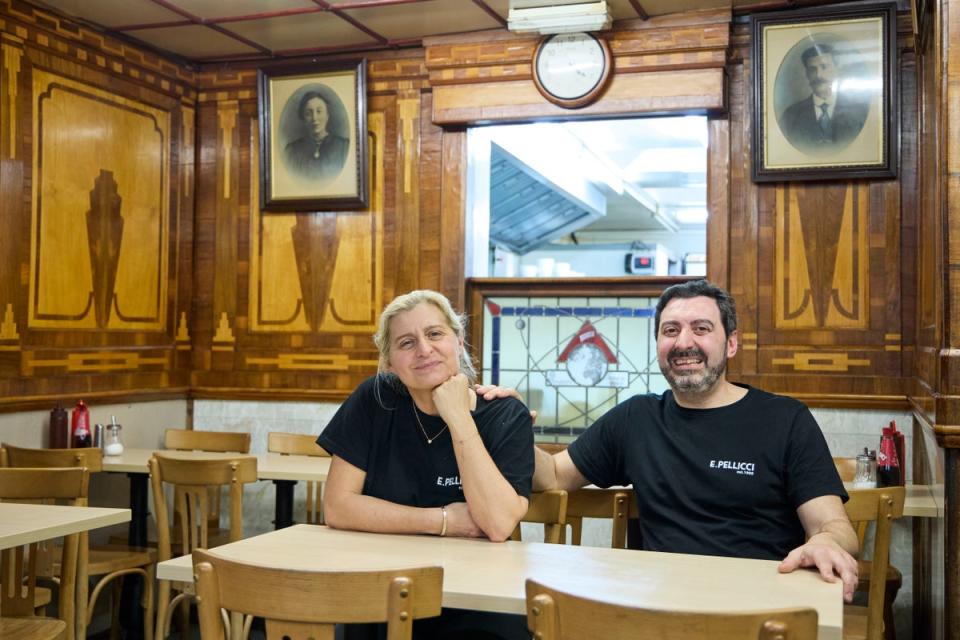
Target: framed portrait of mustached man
{"points": [[313, 124], [825, 93]]}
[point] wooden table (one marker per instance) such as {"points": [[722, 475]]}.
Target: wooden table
{"points": [[283, 470], [27, 523], [487, 576]]}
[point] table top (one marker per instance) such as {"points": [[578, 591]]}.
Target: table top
{"points": [[488, 576], [26, 523], [270, 466]]}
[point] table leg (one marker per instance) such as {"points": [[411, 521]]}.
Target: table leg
{"points": [[131, 613], [137, 533], [283, 504]]}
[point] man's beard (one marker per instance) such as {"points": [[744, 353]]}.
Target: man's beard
{"points": [[700, 382]]}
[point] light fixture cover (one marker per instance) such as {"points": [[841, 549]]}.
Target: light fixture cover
{"points": [[557, 17]]}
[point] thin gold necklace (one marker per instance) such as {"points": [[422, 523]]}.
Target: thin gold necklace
{"points": [[416, 414]]}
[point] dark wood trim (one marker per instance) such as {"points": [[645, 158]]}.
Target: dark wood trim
{"points": [[33, 403]]}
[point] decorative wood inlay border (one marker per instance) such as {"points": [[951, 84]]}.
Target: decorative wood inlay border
{"points": [[11, 63], [409, 116], [748, 341], [227, 121], [821, 361], [96, 361], [311, 362], [8, 327], [223, 338], [183, 333]]}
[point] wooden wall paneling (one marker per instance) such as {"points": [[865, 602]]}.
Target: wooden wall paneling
{"points": [[410, 238], [12, 307], [744, 232], [453, 203], [433, 244], [486, 77], [182, 236], [93, 317], [905, 273], [226, 228]]}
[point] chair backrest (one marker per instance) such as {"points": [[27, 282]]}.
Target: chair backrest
{"points": [[548, 508], [301, 444], [190, 440], [192, 480], [18, 565], [600, 503], [552, 447], [305, 604], [298, 444], [555, 615], [846, 467], [880, 506], [90, 458]]}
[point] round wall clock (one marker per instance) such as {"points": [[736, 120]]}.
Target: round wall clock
{"points": [[571, 69]]}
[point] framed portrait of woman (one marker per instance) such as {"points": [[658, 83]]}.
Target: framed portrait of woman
{"points": [[313, 124], [825, 94]]}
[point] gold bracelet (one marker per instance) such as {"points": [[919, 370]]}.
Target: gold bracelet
{"points": [[443, 528]]}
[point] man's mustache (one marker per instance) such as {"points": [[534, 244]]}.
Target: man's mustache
{"points": [[687, 353]]}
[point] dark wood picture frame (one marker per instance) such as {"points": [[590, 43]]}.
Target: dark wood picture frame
{"points": [[841, 60], [313, 137]]}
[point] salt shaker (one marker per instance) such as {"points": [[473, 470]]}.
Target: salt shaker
{"points": [[866, 474], [112, 443]]}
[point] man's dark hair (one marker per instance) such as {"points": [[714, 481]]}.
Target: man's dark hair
{"points": [[816, 50], [307, 97], [694, 289]]}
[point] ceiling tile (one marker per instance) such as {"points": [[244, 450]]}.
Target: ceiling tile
{"points": [[207, 9], [111, 14], [405, 21], [308, 31], [193, 41]]}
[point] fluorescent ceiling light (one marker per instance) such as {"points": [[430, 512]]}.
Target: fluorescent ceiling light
{"points": [[582, 16]]}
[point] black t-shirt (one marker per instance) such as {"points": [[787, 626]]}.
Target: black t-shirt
{"points": [[724, 481], [375, 430]]}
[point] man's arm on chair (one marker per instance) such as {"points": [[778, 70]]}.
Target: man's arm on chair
{"points": [[556, 471]]}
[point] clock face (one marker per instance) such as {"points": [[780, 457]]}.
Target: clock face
{"points": [[571, 66]]}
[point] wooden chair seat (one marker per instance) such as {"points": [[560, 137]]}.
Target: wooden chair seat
{"points": [[33, 628]]}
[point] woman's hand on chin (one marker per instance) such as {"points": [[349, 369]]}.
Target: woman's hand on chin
{"points": [[460, 523], [453, 398]]}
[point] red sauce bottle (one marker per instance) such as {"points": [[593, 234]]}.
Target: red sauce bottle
{"points": [[80, 425]]}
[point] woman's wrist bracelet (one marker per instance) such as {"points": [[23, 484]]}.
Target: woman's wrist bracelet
{"points": [[443, 527]]}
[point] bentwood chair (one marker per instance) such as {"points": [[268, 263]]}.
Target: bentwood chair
{"points": [[110, 563], [847, 467], [302, 445], [212, 441], [297, 605], [548, 508], [18, 565], [880, 506], [555, 615], [191, 481]]}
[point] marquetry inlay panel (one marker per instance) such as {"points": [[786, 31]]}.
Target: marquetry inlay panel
{"points": [[319, 272], [310, 362], [99, 224], [11, 71], [8, 325], [95, 362], [822, 361], [822, 260]]}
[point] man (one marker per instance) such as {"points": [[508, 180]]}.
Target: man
{"points": [[718, 468], [318, 154], [827, 119]]}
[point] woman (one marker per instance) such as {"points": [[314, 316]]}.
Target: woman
{"points": [[416, 451]]}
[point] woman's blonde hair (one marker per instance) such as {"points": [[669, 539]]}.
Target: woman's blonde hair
{"points": [[408, 301]]}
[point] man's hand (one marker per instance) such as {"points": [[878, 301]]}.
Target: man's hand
{"points": [[492, 392], [822, 552]]}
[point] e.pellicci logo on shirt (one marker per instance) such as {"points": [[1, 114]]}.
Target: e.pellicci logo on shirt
{"points": [[741, 468]]}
